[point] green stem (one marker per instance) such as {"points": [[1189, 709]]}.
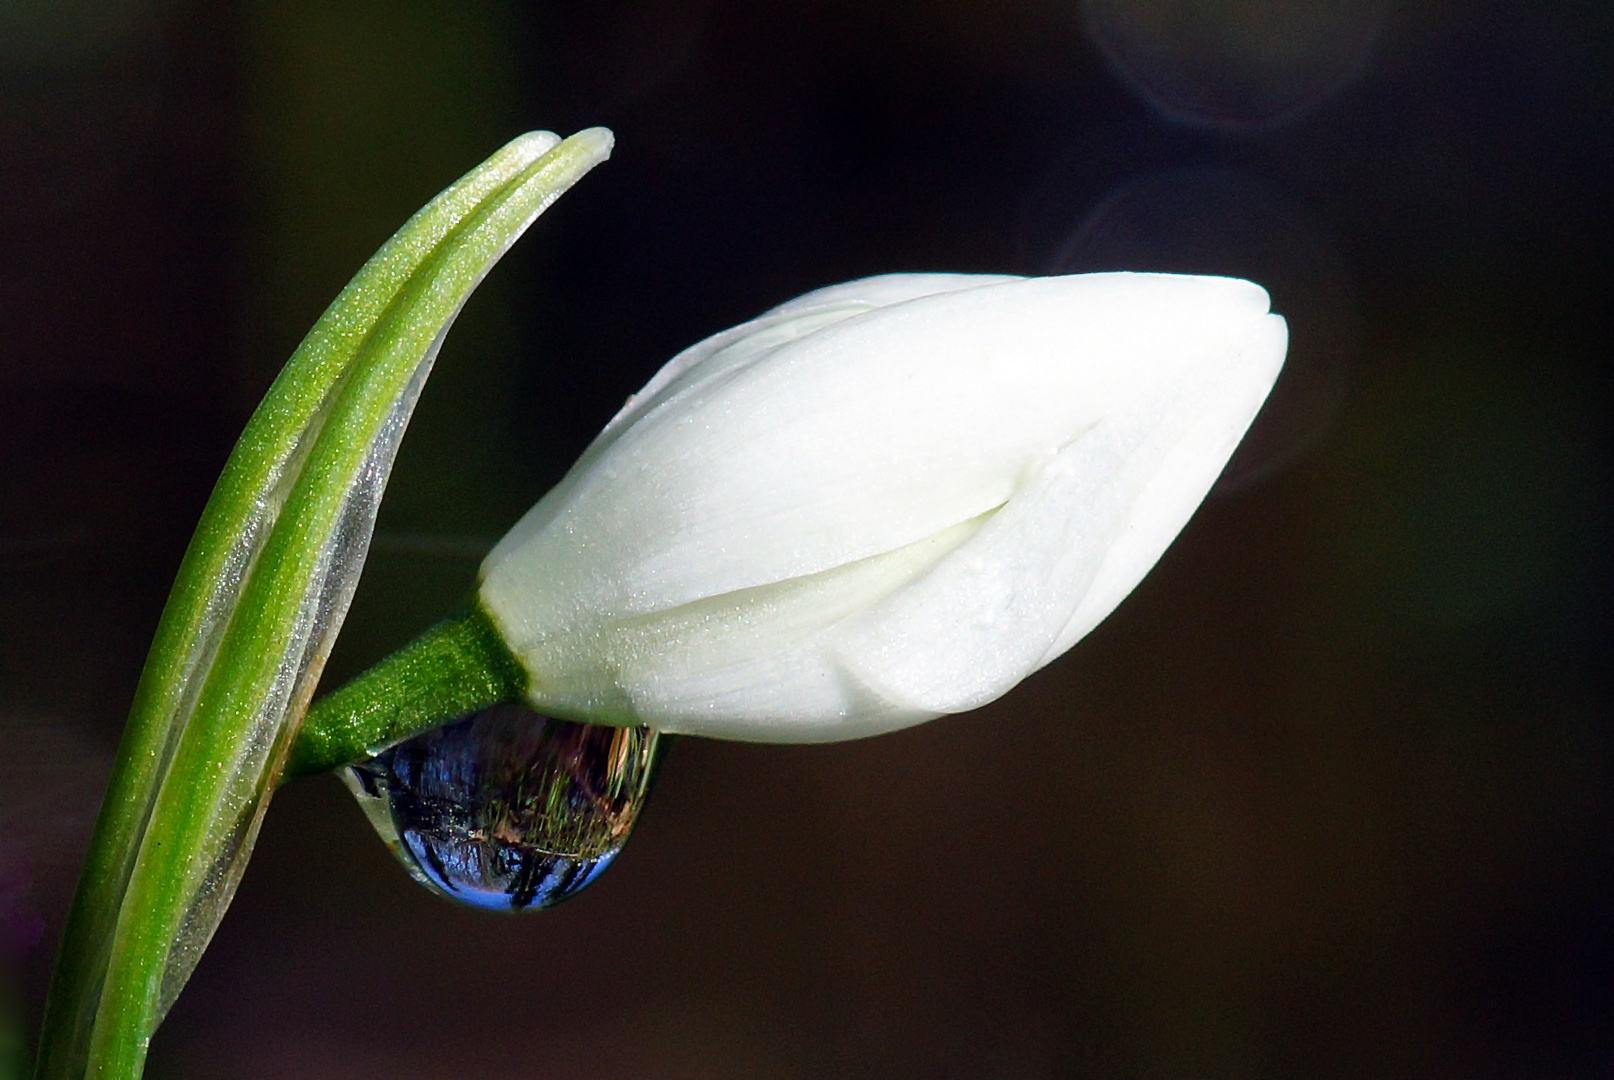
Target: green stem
{"points": [[456, 667]]}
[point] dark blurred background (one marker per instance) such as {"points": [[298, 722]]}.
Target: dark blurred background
{"points": [[1330, 796]]}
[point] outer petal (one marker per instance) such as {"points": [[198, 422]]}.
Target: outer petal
{"points": [[1070, 544]]}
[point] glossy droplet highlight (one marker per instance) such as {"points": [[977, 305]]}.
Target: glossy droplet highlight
{"points": [[506, 809]]}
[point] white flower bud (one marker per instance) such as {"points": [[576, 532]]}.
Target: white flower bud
{"points": [[881, 502]]}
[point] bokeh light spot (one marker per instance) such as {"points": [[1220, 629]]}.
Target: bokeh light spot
{"points": [[1235, 65], [1211, 221]]}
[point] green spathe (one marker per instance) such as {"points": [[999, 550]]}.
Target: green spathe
{"points": [[260, 595]]}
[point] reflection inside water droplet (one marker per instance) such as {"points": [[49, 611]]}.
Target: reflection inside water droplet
{"points": [[506, 809]]}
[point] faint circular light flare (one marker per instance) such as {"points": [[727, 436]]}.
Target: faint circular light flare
{"points": [[1212, 221], [1235, 65]]}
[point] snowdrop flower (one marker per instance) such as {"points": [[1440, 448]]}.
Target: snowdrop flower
{"points": [[880, 502]]}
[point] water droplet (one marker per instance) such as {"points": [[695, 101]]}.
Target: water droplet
{"points": [[506, 809]]}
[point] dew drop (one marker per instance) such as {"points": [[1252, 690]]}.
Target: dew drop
{"points": [[506, 809]]}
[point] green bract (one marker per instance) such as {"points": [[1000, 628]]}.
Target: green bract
{"points": [[262, 590]]}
